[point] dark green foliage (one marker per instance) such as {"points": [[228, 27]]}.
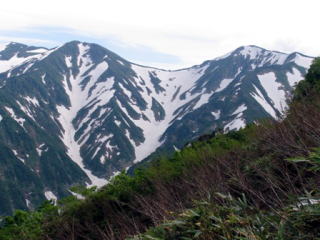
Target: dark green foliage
{"points": [[311, 83], [27, 225]]}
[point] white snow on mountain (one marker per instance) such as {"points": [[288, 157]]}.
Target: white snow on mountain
{"points": [[216, 114], [270, 57], [6, 65], [274, 90], [50, 196], [15, 117], [240, 109], [303, 61], [38, 50], [294, 77], [223, 84], [235, 124], [78, 99], [17, 155], [258, 96], [173, 91], [251, 52], [181, 81]]}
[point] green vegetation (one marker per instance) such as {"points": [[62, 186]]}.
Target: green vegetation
{"points": [[27, 225], [236, 218], [261, 182]]}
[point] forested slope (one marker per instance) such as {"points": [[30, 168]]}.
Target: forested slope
{"points": [[261, 182]]}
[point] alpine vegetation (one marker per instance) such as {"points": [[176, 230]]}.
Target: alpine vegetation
{"points": [[260, 182]]}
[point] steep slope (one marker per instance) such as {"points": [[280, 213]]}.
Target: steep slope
{"points": [[237, 185], [80, 113], [248, 84], [14, 54]]}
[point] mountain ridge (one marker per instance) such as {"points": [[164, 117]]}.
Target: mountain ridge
{"points": [[2, 47], [98, 113]]}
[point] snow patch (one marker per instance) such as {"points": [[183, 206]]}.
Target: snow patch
{"points": [[204, 98], [28, 203], [216, 114], [303, 61], [223, 84], [118, 61], [103, 159], [238, 122], [117, 122], [235, 124], [38, 50], [43, 79], [240, 109], [15, 61], [77, 195], [32, 100], [176, 149], [68, 62], [50, 196], [294, 77], [41, 148], [25, 110], [19, 120], [17, 155], [274, 90], [258, 96]]}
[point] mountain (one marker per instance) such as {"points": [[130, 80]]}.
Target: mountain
{"points": [[79, 113], [14, 54], [235, 185]]}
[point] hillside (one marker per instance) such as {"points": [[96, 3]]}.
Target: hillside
{"points": [[260, 182], [78, 114]]}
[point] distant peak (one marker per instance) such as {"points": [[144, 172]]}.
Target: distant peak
{"points": [[252, 47], [249, 49], [11, 45], [243, 50], [16, 44], [76, 43], [73, 42]]}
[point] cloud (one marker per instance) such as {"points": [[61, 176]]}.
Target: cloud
{"points": [[38, 36], [28, 41], [183, 32]]}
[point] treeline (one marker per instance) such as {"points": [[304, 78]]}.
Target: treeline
{"points": [[261, 182]]}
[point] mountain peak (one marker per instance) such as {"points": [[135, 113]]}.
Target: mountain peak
{"points": [[16, 44], [252, 47], [253, 51], [87, 113], [11, 45]]}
